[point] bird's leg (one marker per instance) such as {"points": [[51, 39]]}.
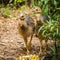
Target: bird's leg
{"points": [[46, 45], [25, 40], [29, 44], [41, 50]]}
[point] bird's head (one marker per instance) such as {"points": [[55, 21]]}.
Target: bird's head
{"points": [[36, 9], [22, 16]]}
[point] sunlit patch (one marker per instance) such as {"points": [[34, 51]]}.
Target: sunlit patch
{"points": [[28, 57]]}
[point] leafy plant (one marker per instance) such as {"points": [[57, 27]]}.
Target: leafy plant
{"points": [[54, 52], [5, 12], [49, 7], [51, 30], [15, 1]]}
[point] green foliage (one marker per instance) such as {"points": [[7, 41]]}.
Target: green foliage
{"points": [[5, 12], [23, 7], [54, 54], [49, 7], [44, 6], [50, 30], [15, 1], [53, 49], [1, 5]]}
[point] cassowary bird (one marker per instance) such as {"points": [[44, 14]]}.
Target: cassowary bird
{"points": [[39, 21], [26, 29]]}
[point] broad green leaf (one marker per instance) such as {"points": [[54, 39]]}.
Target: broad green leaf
{"points": [[39, 30], [46, 1], [53, 49], [20, 1], [43, 33], [55, 3]]}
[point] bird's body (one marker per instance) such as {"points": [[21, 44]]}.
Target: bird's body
{"points": [[40, 20], [26, 29]]}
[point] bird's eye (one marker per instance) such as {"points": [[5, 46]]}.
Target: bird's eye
{"points": [[22, 16], [36, 9]]}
